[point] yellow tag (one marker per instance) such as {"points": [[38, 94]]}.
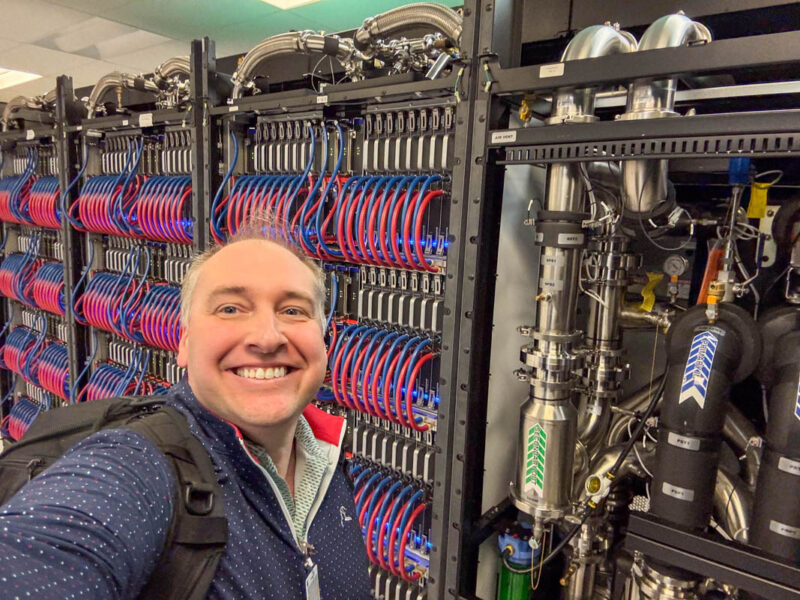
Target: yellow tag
{"points": [[757, 209], [648, 295]]}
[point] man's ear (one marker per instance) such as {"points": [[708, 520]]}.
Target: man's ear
{"points": [[183, 349]]}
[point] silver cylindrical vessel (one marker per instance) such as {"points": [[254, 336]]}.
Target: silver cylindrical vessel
{"points": [[544, 467]]}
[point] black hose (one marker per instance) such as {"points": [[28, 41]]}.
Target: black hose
{"points": [[704, 361], [776, 514]]}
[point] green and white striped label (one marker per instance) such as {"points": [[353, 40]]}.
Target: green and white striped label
{"points": [[535, 452]]}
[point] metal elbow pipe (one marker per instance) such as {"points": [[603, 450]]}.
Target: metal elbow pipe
{"points": [[593, 424], [739, 432], [116, 80], [49, 98], [733, 505], [732, 500], [177, 65], [607, 458], [295, 42], [591, 42], [420, 14], [644, 183], [648, 98]]}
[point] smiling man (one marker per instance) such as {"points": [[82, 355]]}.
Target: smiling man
{"points": [[95, 523]]}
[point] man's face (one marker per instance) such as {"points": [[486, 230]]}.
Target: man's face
{"points": [[253, 346]]}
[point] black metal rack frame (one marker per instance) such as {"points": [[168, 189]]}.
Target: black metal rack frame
{"points": [[752, 134]]}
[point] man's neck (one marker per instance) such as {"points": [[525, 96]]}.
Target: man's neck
{"points": [[279, 444]]}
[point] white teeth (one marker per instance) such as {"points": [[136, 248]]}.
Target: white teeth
{"points": [[261, 373]]}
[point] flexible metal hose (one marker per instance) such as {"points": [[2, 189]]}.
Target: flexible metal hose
{"points": [[419, 14], [36, 103], [113, 80], [302, 42], [177, 65]]}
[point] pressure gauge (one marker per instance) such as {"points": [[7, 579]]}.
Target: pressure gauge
{"points": [[675, 265]]}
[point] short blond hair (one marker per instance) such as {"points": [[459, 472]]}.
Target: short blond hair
{"points": [[261, 227]]}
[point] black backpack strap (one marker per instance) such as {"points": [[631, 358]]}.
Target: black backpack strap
{"points": [[199, 529]]}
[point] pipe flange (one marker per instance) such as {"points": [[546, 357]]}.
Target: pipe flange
{"points": [[738, 319], [609, 375], [559, 338], [567, 119], [551, 363], [605, 393], [657, 586], [606, 355], [652, 113], [531, 507], [551, 386]]}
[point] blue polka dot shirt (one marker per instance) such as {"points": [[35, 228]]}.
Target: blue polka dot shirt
{"points": [[94, 524]]}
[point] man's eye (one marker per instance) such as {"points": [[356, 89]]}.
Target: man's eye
{"points": [[229, 310], [295, 312]]}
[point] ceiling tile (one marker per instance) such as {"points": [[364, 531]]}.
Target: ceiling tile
{"points": [[92, 7], [42, 61], [147, 59], [343, 15], [6, 44], [242, 36], [128, 43], [30, 20], [190, 19], [85, 35], [31, 88]]}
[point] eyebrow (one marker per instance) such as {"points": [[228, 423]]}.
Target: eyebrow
{"points": [[232, 290], [301, 296]]}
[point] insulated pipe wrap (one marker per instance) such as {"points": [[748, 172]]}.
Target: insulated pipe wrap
{"points": [[776, 518], [420, 14], [704, 360]]}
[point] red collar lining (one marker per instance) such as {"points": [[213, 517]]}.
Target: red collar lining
{"points": [[326, 427]]}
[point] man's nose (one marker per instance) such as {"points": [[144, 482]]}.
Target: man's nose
{"points": [[265, 333]]}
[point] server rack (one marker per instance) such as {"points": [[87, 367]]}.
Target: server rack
{"points": [[32, 240], [393, 127], [129, 243]]}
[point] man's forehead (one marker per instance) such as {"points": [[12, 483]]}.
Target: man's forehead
{"points": [[254, 265]]}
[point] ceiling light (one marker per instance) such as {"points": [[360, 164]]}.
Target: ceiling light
{"points": [[287, 4], [10, 77]]}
